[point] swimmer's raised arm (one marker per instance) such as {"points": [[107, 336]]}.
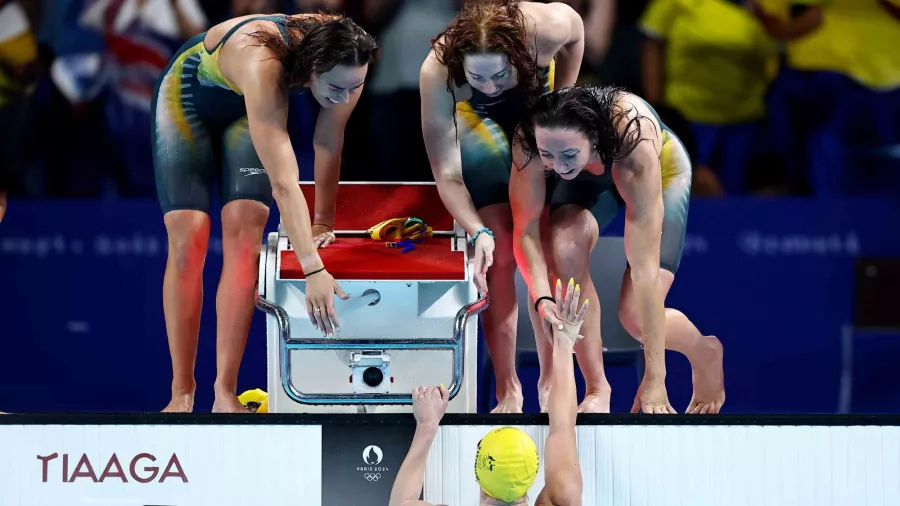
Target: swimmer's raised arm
{"points": [[527, 187], [442, 145], [563, 483], [639, 182], [429, 406]]}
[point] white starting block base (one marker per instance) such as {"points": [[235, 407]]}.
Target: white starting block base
{"points": [[417, 323], [404, 309]]}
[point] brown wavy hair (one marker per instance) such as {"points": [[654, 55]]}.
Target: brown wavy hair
{"points": [[318, 43], [489, 26]]}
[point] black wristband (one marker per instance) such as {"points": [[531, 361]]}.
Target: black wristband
{"points": [[539, 299], [313, 272]]}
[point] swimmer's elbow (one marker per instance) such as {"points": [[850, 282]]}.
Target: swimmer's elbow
{"points": [[564, 488], [448, 181]]}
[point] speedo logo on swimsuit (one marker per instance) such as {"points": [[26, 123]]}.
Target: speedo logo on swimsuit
{"points": [[250, 171]]}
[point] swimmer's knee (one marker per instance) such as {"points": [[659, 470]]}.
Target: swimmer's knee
{"points": [[244, 220], [571, 252], [188, 236], [243, 223], [573, 233]]}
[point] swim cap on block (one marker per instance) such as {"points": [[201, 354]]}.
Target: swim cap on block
{"points": [[506, 463]]}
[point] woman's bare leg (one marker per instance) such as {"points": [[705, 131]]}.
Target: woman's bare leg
{"points": [[705, 353], [243, 222], [188, 233], [501, 318]]}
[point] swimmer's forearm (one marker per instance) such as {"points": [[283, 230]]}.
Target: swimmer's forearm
{"points": [[458, 202], [563, 403], [327, 176], [295, 216], [530, 259], [411, 476]]}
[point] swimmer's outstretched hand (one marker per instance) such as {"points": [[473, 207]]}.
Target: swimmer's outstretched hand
{"points": [[652, 398], [569, 311], [484, 259], [320, 291], [323, 235], [565, 317], [430, 404]]}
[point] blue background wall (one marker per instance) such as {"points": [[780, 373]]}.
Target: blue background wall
{"points": [[83, 330]]}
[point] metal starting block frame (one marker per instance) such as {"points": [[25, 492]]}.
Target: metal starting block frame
{"points": [[443, 308]]}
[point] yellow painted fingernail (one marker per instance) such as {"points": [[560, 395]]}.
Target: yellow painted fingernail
{"points": [[442, 385], [586, 301], [558, 282], [571, 281], [578, 287]]}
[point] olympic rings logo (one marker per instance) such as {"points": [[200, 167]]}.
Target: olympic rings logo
{"points": [[372, 476]]}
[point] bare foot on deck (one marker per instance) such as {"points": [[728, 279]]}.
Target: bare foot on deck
{"points": [[228, 404], [181, 403], [708, 377], [596, 402], [509, 405], [543, 388]]}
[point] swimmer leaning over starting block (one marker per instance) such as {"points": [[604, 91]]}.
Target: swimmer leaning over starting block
{"points": [[230, 87], [483, 72], [507, 462], [592, 150]]}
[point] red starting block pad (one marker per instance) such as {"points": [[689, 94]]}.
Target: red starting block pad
{"points": [[362, 205], [360, 258]]}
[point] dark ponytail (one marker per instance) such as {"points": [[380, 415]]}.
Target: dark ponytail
{"points": [[592, 110]]}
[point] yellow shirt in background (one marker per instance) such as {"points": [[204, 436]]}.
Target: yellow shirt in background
{"points": [[857, 38], [718, 59], [17, 46]]}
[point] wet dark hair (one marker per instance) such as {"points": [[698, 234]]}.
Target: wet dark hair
{"points": [[318, 43], [489, 26], [590, 109]]}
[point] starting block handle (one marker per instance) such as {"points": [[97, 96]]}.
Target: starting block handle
{"points": [[456, 344]]}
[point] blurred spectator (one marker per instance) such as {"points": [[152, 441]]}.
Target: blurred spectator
{"points": [[18, 56], [404, 29], [712, 62], [892, 6], [141, 36], [612, 42], [838, 97]]}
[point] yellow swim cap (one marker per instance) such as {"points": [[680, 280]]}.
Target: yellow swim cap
{"points": [[506, 463], [256, 400]]}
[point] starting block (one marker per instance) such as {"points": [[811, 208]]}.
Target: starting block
{"points": [[411, 319]]}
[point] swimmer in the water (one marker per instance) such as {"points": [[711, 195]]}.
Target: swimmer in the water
{"points": [[484, 70], [593, 150], [507, 462], [220, 112]]}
